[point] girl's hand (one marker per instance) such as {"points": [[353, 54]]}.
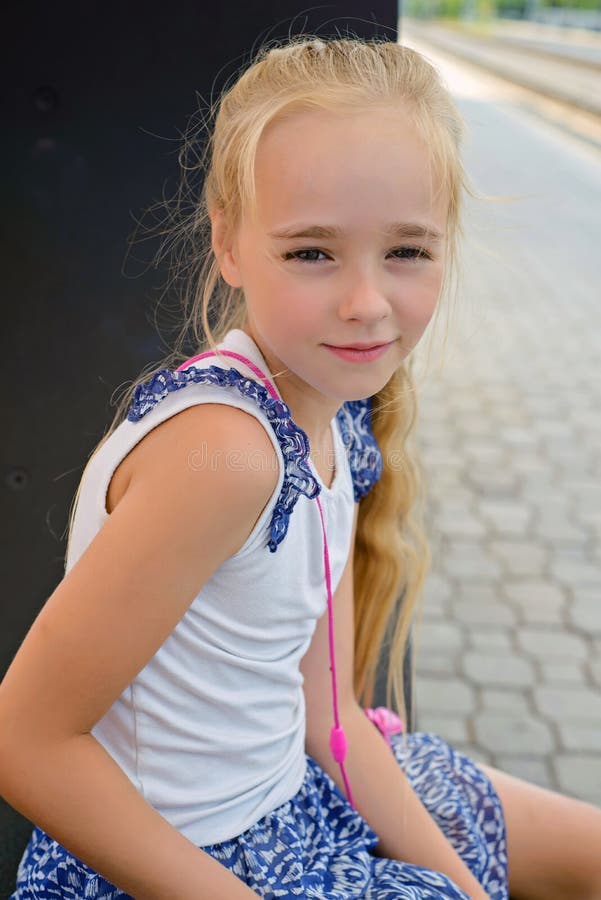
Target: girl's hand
{"points": [[385, 799], [381, 791]]}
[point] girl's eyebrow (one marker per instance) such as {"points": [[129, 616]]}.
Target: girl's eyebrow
{"points": [[394, 229]]}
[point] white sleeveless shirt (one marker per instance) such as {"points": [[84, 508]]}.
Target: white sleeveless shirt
{"points": [[211, 732]]}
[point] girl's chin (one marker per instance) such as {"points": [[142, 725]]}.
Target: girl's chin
{"points": [[358, 389]]}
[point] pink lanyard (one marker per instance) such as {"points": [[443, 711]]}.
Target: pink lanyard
{"points": [[385, 720]]}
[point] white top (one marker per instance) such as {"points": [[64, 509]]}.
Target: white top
{"points": [[211, 732]]}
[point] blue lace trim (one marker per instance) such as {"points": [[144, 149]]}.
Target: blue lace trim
{"points": [[362, 450]]}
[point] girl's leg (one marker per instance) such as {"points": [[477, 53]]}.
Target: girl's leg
{"points": [[553, 842]]}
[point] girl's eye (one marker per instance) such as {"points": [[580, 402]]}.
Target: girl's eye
{"points": [[295, 254], [408, 253], [414, 253]]}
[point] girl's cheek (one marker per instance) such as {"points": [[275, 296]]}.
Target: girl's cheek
{"points": [[421, 315]]}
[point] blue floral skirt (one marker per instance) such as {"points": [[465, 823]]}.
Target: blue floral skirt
{"points": [[317, 846]]}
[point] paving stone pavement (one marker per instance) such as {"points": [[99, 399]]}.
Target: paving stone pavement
{"points": [[509, 650]]}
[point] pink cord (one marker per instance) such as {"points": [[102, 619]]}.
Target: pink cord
{"points": [[243, 359], [338, 742]]}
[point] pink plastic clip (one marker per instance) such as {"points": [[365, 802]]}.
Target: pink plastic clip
{"points": [[386, 720], [338, 744]]}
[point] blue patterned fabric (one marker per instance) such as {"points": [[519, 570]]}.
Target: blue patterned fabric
{"points": [[354, 419], [317, 846]]}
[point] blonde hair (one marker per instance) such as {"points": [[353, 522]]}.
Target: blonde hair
{"points": [[392, 554]]}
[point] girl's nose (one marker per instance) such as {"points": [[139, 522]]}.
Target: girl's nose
{"points": [[363, 299]]}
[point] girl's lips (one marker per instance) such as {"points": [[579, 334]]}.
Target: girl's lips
{"points": [[351, 355]]}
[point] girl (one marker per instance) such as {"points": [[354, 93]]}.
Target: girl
{"points": [[183, 720]]}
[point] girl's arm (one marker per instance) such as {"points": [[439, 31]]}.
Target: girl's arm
{"points": [[172, 528], [382, 794], [78, 794]]}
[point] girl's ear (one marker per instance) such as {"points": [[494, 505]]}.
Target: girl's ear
{"points": [[224, 249]]}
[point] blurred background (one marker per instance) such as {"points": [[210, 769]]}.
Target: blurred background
{"points": [[509, 653], [95, 99], [565, 13]]}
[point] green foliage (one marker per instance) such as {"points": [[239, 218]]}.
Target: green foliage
{"points": [[572, 4], [511, 8], [453, 9], [450, 9]]}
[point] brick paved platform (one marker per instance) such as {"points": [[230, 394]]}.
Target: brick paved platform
{"points": [[509, 656]]}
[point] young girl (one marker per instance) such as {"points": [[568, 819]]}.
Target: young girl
{"points": [[186, 717]]}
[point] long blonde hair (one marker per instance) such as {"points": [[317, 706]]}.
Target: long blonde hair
{"points": [[392, 554]]}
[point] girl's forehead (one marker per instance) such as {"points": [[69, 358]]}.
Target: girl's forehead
{"points": [[321, 128], [363, 168]]}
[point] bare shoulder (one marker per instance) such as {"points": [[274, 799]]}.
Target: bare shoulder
{"points": [[197, 484], [212, 441], [210, 437], [212, 459]]}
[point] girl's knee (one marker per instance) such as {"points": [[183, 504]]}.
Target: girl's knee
{"points": [[553, 842]]}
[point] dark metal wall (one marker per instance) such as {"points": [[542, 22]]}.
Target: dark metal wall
{"points": [[94, 99]]}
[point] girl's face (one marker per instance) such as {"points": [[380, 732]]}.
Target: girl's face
{"points": [[360, 174]]}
